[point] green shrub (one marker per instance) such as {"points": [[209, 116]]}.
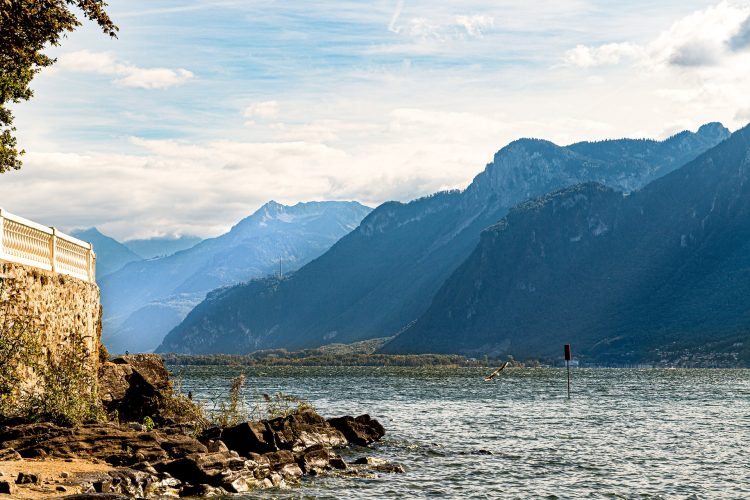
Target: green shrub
{"points": [[282, 405], [62, 388], [231, 409], [149, 423]]}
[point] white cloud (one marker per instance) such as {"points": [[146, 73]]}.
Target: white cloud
{"points": [[393, 26], [698, 63], [611, 53], [390, 100], [705, 38], [476, 24], [741, 39], [154, 78], [105, 63], [427, 33], [424, 29], [743, 115], [265, 109]]}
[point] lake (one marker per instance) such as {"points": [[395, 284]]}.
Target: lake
{"points": [[624, 433]]}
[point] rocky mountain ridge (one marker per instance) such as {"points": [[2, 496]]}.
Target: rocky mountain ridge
{"points": [[621, 277], [380, 278]]}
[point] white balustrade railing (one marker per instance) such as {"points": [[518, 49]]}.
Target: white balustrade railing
{"points": [[26, 242]]}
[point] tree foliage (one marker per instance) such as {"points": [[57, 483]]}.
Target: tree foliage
{"points": [[27, 27]]}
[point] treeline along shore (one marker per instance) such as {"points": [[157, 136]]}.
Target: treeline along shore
{"points": [[317, 358]]}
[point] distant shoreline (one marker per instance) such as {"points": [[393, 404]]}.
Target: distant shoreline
{"points": [[304, 359], [325, 359]]}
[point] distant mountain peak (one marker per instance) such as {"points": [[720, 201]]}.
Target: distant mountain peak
{"points": [[91, 231], [143, 301], [528, 167], [714, 130], [276, 212]]}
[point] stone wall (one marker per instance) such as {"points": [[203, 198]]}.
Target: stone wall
{"points": [[61, 310]]}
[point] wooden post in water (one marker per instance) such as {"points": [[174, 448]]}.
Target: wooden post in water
{"points": [[567, 365]]}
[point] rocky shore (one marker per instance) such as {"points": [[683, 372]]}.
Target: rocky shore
{"points": [[174, 457]]}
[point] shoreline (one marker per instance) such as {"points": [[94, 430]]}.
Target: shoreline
{"points": [[412, 361], [156, 443]]}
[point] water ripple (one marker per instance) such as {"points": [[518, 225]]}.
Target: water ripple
{"points": [[625, 434]]}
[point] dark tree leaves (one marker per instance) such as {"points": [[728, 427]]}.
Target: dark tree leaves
{"points": [[26, 27]]}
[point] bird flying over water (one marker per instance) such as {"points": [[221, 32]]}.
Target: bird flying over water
{"points": [[496, 372]]}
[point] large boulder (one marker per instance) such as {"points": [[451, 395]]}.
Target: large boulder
{"points": [[204, 468], [284, 463], [295, 432], [303, 429], [249, 437], [361, 430], [134, 386], [315, 460]]}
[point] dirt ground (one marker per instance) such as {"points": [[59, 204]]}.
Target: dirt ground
{"points": [[52, 474]]}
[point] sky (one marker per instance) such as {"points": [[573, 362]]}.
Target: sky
{"points": [[203, 110]]}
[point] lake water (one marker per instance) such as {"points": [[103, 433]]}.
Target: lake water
{"points": [[623, 434]]}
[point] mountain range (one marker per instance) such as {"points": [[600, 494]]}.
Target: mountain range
{"points": [[378, 280], [112, 255], [151, 248], [145, 299], [623, 278]]}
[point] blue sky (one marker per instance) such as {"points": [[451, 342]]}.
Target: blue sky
{"points": [[203, 110]]}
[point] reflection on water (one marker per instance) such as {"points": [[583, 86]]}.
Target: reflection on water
{"points": [[623, 434]]}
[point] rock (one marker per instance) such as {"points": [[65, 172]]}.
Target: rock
{"points": [[9, 454], [249, 437], [217, 446], [238, 485], [96, 496], [109, 442], [210, 434], [337, 463], [145, 466], [204, 467], [165, 487], [103, 486], [150, 368], [135, 386], [302, 430], [389, 468], [380, 465], [314, 460], [130, 482], [61, 488], [113, 383], [24, 478], [201, 490], [283, 463], [6, 488], [370, 461], [136, 426], [64, 474], [361, 430]]}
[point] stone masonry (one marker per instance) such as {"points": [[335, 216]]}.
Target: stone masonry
{"points": [[61, 309]]}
